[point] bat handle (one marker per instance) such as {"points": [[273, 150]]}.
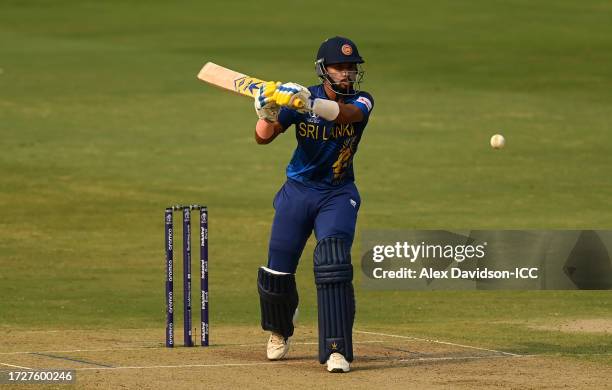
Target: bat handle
{"points": [[298, 103]]}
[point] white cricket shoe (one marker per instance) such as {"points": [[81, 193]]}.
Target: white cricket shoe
{"points": [[277, 346], [337, 363]]}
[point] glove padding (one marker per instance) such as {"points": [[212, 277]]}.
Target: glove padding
{"points": [[265, 105], [292, 95]]}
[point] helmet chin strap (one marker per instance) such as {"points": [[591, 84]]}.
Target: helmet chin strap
{"points": [[346, 92]]}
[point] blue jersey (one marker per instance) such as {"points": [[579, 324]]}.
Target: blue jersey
{"points": [[324, 154]]}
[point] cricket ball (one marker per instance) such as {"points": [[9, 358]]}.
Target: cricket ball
{"points": [[498, 141]]}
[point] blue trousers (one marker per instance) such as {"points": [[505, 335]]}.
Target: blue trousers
{"points": [[300, 209]]}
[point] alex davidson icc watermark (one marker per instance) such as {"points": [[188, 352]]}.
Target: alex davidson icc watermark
{"points": [[486, 260]]}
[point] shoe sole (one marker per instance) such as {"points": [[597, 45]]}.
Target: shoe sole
{"points": [[281, 357], [338, 370]]}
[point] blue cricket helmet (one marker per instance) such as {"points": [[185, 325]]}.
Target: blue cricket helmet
{"points": [[338, 50]]}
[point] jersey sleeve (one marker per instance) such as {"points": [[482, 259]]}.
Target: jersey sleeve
{"points": [[287, 117], [365, 102]]}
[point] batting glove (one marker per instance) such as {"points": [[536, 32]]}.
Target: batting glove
{"points": [[265, 105], [292, 95]]}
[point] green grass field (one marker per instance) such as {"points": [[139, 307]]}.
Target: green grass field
{"points": [[103, 124]]}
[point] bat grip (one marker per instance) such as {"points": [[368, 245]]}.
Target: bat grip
{"points": [[298, 103]]}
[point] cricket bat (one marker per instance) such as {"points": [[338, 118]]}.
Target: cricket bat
{"points": [[233, 81]]}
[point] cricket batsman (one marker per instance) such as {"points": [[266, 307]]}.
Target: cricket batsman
{"points": [[319, 194]]}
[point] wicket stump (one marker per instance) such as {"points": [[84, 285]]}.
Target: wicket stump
{"points": [[169, 248]]}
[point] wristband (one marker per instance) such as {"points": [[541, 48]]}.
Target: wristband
{"points": [[326, 109]]}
